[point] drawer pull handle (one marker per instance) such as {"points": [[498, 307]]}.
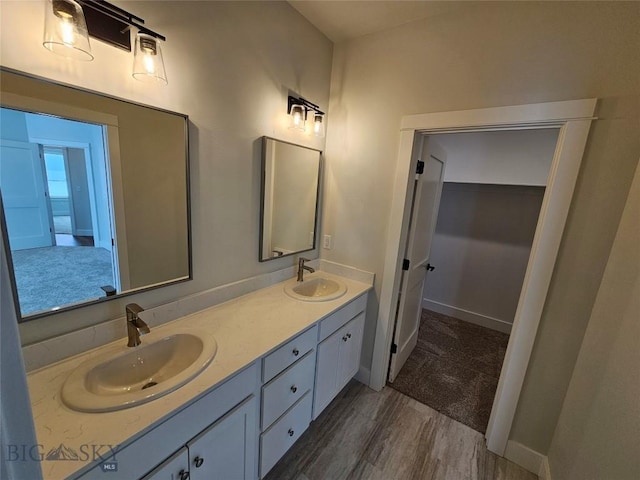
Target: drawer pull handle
{"points": [[296, 352], [294, 389], [182, 475], [291, 432], [198, 461]]}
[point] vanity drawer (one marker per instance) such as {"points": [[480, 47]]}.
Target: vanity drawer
{"points": [[291, 351], [284, 390], [284, 433], [337, 319]]}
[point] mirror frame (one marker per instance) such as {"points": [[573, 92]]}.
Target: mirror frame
{"points": [[263, 191], [3, 226]]}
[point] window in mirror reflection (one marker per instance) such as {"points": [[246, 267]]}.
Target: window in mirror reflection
{"points": [[57, 204]]}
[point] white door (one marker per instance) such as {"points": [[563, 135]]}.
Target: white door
{"points": [[24, 193], [424, 214]]}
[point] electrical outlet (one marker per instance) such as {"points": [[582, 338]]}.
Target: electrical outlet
{"points": [[326, 242]]}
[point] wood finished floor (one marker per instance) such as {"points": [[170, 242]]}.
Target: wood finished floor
{"points": [[387, 435]]}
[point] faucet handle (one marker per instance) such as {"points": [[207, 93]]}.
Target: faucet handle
{"points": [[133, 309]]}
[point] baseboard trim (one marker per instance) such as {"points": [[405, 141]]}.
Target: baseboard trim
{"points": [[545, 471], [525, 457], [468, 316]]}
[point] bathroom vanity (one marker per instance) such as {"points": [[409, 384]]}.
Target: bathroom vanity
{"points": [[279, 362]]}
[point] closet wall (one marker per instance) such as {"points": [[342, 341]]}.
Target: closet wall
{"points": [[491, 199]]}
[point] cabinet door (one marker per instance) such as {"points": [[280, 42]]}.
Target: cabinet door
{"points": [[338, 361], [227, 449], [326, 372], [176, 467], [350, 347]]}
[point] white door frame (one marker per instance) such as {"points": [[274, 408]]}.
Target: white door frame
{"points": [[573, 118]]}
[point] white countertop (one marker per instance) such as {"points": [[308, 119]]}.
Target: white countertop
{"points": [[245, 328]]}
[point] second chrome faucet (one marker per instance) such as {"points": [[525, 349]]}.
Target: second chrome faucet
{"points": [[135, 325], [302, 267]]}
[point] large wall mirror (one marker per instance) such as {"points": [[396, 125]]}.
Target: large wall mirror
{"points": [[95, 194], [290, 188]]}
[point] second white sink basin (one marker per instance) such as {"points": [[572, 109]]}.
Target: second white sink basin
{"points": [[138, 374], [316, 289]]}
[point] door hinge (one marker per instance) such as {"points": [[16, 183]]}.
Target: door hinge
{"points": [[113, 243], [394, 348], [420, 167], [405, 264]]}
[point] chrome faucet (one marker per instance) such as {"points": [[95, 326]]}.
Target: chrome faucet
{"points": [[302, 267], [135, 325]]}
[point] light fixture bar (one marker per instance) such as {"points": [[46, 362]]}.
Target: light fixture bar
{"points": [[305, 103], [111, 24]]}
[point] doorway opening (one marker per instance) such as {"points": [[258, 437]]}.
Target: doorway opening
{"points": [[68, 204], [476, 248], [57, 208], [573, 119]]}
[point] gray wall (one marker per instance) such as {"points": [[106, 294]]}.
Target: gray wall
{"points": [[481, 247], [488, 54], [230, 66], [598, 432], [513, 157]]}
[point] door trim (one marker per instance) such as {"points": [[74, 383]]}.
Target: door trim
{"points": [[573, 118]]}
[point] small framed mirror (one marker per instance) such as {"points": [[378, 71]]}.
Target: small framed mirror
{"points": [[290, 191]]}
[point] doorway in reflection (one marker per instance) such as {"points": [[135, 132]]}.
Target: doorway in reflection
{"points": [[56, 198]]}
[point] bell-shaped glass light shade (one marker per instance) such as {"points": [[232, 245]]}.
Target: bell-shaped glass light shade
{"points": [[65, 30], [297, 117], [318, 124], [148, 65]]}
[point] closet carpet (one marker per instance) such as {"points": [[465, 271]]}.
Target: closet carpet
{"points": [[454, 368]]}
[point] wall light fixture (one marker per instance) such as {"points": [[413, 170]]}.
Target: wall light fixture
{"points": [[70, 23], [298, 109], [65, 30]]}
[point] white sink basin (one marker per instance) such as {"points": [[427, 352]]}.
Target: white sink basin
{"points": [[316, 289], [138, 374]]}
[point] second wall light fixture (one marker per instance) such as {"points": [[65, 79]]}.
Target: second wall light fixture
{"points": [[299, 109], [70, 23]]}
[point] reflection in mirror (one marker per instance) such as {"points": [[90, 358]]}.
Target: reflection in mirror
{"points": [[95, 202], [290, 188]]}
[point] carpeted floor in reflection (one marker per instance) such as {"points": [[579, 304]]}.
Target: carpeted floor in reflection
{"points": [[454, 368], [54, 276]]}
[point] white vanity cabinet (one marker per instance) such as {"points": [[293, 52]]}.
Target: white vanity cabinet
{"points": [[287, 396], [338, 352], [239, 429], [225, 449], [176, 467]]}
